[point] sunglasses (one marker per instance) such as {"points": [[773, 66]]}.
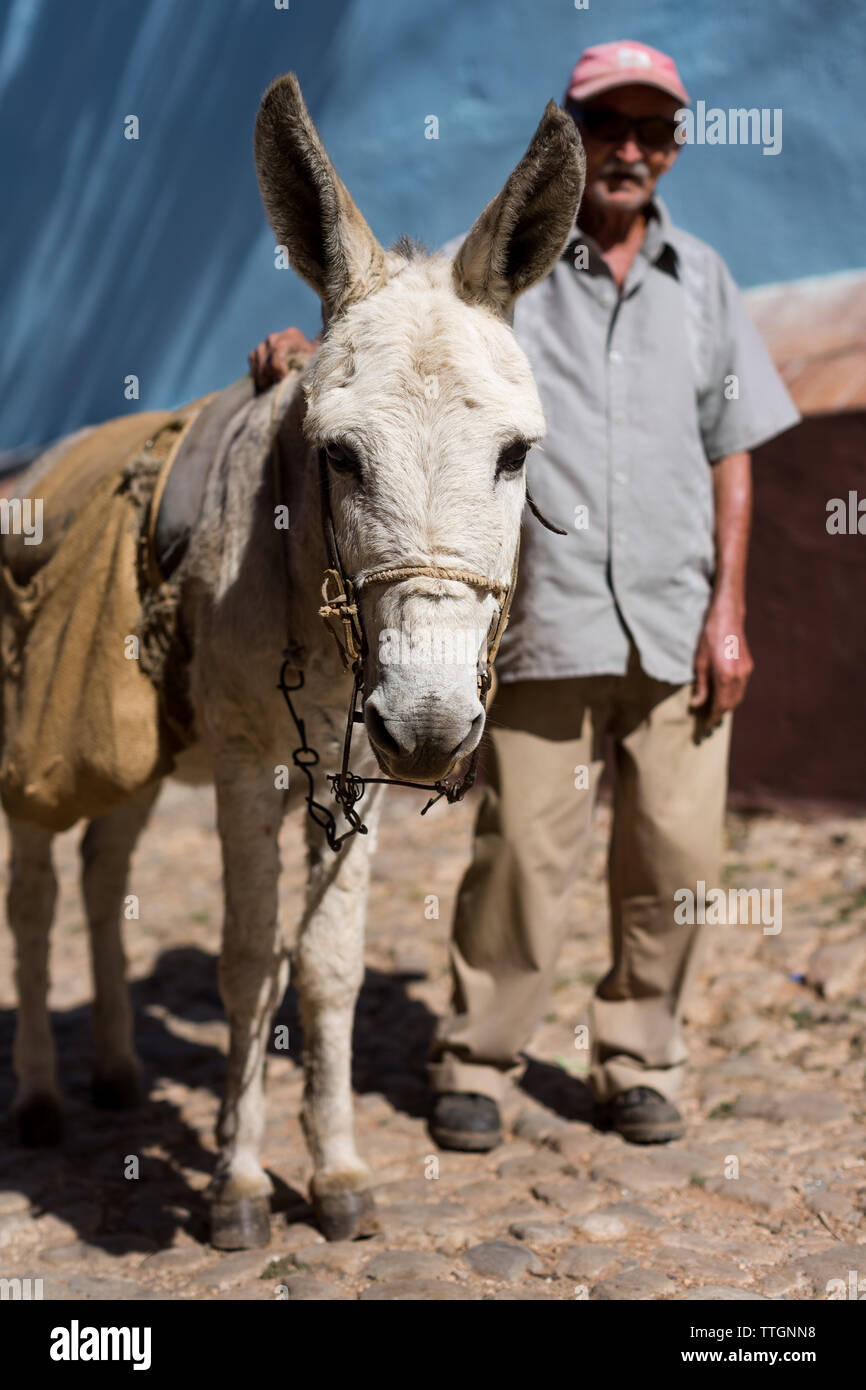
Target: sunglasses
{"points": [[653, 132]]}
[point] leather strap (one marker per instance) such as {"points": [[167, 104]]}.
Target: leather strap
{"points": [[166, 445]]}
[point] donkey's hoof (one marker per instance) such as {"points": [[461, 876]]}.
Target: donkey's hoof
{"points": [[242, 1224], [347, 1215], [38, 1124], [120, 1090]]}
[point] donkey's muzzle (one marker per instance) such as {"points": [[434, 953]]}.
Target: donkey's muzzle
{"points": [[423, 747]]}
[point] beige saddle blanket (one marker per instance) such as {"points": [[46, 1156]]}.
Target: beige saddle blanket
{"points": [[88, 716]]}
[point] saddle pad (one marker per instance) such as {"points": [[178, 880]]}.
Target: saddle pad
{"points": [[178, 496]]}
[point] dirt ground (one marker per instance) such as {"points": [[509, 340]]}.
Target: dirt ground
{"points": [[765, 1198]]}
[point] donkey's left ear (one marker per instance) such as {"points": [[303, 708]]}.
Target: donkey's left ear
{"points": [[520, 236]]}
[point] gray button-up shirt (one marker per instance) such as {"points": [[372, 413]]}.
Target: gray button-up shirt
{"points": [[643, 389]]}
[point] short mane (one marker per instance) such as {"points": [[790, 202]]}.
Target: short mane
{"points": [[409, 248]]}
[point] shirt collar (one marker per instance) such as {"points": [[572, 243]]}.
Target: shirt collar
{"points": [[659, 237], [659, 230]]}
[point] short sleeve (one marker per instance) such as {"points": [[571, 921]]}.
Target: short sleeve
{"points": [[742, 401]]}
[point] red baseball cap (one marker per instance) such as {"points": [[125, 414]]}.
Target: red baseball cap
{"points": [[620, 64]]}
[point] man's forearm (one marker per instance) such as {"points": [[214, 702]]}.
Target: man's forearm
{"points": [[732, 486]]}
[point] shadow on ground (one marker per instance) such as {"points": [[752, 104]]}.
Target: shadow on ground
{"points": [[83, 1180]]}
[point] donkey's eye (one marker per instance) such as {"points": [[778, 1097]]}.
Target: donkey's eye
{"points": [[343, 458], [512, 457]]}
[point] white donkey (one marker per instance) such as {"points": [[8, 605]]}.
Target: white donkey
{"points": [[411, 424]]}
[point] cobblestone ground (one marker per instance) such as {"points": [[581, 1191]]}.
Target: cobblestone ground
{"points": [[765, 1198]]}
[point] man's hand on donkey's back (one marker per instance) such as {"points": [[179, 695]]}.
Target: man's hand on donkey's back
{"points": [[269, 362]]}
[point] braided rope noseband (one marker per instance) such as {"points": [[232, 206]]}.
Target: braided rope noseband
{"points": [[394, 576]]}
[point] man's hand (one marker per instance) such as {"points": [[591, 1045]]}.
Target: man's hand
{"points": [[269, 362], [723, 664]]}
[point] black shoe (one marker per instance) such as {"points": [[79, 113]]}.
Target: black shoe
{"points": [[466, 1121], [642, 1116]]}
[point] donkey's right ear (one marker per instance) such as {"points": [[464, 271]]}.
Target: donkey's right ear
{"points": [[309, 207], [522, 233]]}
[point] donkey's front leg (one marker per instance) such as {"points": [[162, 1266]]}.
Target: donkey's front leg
{"points": [[330, 969], [252, 973]]}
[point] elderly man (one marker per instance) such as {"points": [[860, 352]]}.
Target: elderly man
{"points": [[655, 387]]}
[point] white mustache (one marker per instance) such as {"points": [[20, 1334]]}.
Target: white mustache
{"points": [[640, 170]]}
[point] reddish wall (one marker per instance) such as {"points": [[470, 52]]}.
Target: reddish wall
{"points": [[800, 737]]}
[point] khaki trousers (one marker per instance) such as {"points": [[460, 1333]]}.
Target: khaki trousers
{"points": [[515, 901]]}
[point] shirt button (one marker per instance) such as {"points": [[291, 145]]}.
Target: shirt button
{"points": [[614, 356], [619, 478]]}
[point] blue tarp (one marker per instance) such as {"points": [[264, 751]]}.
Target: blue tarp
{"points": [[152, 258]]}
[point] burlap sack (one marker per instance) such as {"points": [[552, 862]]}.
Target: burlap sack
{"points": [[81, 727]]}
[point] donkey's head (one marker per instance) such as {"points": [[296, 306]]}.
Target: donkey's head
{"points": [[425, 408]]}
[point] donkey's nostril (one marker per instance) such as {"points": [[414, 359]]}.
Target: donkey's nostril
{"points": [[468, 743], [380, 732]]}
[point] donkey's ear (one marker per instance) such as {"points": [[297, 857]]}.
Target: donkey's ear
{"points": [[520, 235], [308, 206]]}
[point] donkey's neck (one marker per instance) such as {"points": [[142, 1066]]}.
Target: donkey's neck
{"points": [[296, 487], [257, 554]]}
